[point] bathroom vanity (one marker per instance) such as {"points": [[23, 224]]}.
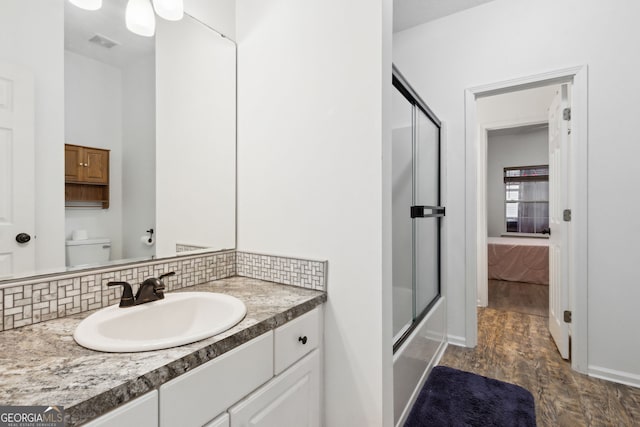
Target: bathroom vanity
{"points": [[263, 371]]}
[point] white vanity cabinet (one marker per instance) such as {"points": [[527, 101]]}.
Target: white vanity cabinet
{"points": [[200, 395], [295, 339], [290, 399], [140, 412], [273, 380]]}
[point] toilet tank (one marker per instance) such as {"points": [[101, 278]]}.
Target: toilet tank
{"points": [[88, 251]]}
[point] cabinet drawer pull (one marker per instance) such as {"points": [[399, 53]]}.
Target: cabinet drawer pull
{"points": [[303, 340]]}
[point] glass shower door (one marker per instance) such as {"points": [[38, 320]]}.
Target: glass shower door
{"points": [[402, 227], [416, 210], [426, 221]]}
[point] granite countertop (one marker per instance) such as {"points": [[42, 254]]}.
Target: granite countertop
{"points": [[41, 364]]}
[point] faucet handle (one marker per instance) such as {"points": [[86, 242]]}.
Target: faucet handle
{"points": [[171, 273], [127, 293]]}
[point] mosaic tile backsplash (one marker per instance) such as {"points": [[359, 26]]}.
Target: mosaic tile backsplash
{"points": [[63, 295], [289, 271]]}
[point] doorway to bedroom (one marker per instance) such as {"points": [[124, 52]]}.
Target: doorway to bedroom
{"points": [[518, 217], [523, 177]]}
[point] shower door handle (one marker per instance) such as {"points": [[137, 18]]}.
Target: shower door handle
{"points": [[427, 211]]}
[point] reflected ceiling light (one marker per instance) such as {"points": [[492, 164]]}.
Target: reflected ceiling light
{"points": [[140, 18], [87, 4], [139, 15], [171, 10]]}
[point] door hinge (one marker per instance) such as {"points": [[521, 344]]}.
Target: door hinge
{"points": [[566, 114], [567, 316], [566, 215]]}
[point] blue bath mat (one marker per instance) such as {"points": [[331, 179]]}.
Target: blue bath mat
{"points": [[456, 398]]}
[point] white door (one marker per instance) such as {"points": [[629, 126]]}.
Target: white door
{"points": [[559, 228], [16, 171]]}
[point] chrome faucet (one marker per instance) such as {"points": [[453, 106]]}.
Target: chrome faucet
{"points": [[152, 289]]}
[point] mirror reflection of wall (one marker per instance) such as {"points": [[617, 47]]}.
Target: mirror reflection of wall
{"points": [[93, 101], [32, 37], [194, 167], [110, 104]]}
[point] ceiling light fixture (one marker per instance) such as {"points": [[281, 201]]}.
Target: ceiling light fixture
{"points": [[87, 4], [171, 10], [139, 15], [140, 18]]}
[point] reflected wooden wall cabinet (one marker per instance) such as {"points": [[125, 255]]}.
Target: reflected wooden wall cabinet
{"points": [[86, 175]]}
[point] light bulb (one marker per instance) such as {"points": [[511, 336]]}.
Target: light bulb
{"points": [[171, 10], [140, 18], [87, 4]]}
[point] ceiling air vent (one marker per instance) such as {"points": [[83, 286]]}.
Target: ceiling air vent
{"points": [[103, 41]]}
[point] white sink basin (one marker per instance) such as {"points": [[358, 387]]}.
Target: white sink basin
{"points": [[178, 319]]}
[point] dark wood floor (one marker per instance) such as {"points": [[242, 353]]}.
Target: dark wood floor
{"points": [[517, 348], [526, 298]]}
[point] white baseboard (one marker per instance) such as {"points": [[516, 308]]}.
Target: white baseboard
{"points": [[621, 377], [457, 341]]}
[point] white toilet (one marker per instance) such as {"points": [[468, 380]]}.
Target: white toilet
{"points": [[88, 251]]}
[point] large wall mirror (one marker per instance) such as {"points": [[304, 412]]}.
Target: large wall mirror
{"points": [[165, 109]]}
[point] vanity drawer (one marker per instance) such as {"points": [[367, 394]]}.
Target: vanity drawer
{"points": [[203, 393], [295, 339]]}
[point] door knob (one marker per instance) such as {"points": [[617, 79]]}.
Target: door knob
{"points": [[546, 231], [23, 238]]}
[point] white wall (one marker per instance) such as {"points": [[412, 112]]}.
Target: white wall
{"points": [[93, 118], [504, 39], [314, 79], [36, 40], [195, 137], [138, 156], [521, 107], [507, 149], [218, 14]]}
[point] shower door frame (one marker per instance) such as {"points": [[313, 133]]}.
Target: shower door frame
{"points": [[402, 85]]}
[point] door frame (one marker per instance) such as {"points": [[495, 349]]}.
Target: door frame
{"points": [[483, 274], [578, 194]]}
